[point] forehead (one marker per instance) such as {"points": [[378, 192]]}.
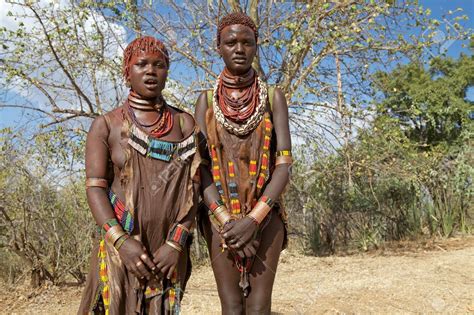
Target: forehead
{"points": [[141, 54], [237, 30]]}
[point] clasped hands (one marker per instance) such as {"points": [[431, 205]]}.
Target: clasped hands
{"points": [[240, 236], [138, 262]]}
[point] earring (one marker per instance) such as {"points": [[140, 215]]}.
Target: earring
{"points": [[127, 84]]}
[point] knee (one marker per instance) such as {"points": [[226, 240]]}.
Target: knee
{"points": [[232, 307], [258, 307]]}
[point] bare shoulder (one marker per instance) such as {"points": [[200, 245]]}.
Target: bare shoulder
{"points": [[201, 103], [187, 122]]}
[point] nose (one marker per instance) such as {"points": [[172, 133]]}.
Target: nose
{"points": [[239, 48], [149, 69]]}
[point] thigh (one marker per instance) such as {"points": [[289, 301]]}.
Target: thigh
{"points": [[225, 272], [265, 265]]}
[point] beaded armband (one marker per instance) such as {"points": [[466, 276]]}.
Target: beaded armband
{"points": [[220, 212], [96, 182], [178, 236], [283, 157], [261, 209]]}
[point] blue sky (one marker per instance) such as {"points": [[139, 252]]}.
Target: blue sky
{"points": [[439, 8]]}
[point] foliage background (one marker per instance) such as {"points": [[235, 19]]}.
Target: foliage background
{"points": [[381, 122]]}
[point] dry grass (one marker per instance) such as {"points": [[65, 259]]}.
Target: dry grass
{"points": [[430, 277]]}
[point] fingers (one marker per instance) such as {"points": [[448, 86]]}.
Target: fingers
{"points": [[148, 262], [226, 228], [248, 252], [241, 253], [142, 269], [170, 272]]}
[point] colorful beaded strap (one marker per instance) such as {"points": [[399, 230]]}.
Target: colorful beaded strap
{"points": [[159, 149], [123, 215]]}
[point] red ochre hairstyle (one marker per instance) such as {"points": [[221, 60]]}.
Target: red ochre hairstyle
{"points": [[236, 18], [145, 44]]}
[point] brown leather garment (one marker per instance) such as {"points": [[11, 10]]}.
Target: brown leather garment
{"points": [[160, 193]]}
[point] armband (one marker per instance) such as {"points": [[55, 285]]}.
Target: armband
{"points": [[96, 182]]}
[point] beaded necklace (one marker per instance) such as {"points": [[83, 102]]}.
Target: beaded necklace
{"points": [[164, 121], [241, 108], [248, 125]]}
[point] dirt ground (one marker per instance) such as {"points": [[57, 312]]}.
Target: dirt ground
{"points": [[432, 277]]}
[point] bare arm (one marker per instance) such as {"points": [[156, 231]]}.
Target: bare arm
{"points": [[97, 156], [280, 175]]}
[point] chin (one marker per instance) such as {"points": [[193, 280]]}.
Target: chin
{"points": [[239, 68]]}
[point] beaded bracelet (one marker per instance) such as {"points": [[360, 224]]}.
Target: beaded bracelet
{"points": [[108, 224], [178, 234], [261, 209]]}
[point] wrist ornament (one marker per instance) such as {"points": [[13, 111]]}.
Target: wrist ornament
{"points": [[220, 212], [121, 240], [175, 246], [178, 235], [109, 224], [113, 234], [283, 157], [261, 209]]}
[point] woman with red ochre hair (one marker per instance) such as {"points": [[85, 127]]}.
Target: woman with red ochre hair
{"points": [[246, 127], [141, 166]]}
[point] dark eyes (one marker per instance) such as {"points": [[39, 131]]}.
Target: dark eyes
{"points": [[233, 42], [158, 64]]}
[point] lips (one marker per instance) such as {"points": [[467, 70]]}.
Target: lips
{"points": [[151, 83], [239, 59]]}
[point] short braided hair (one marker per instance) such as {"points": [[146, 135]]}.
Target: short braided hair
{"points": [[145, 44], [236, 18]]}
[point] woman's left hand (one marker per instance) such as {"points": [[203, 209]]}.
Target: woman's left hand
{"points": [[239, 232], [166, 259]]}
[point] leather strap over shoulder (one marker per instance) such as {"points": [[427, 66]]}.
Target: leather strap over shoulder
{"points": [[210, 96]]}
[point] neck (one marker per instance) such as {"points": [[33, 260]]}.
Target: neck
{"points": [[238, 81], [138, 102]]}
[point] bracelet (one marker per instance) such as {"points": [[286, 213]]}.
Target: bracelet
{"points": [[108, 224], [283, 157], [261, 209], [120, 241], [284, 153], [177, 247], [113, 234], [178, 234], [96, 182], [220, 211]]}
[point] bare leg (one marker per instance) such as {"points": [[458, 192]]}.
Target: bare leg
{"points": [[225, 272], [264, 267]]}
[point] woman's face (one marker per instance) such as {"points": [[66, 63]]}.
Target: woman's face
{"points": [[147, 74], [237, 48]]}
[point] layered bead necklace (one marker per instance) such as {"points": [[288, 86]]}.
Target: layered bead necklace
{"points": [[163, 123], [242, 115], [241, 108]]}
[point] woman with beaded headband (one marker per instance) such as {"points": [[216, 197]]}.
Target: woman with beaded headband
{"points": [[141, 166], [248, 140]]}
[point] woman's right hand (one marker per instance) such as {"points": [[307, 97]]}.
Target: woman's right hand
{"points": [[136, 259]]}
